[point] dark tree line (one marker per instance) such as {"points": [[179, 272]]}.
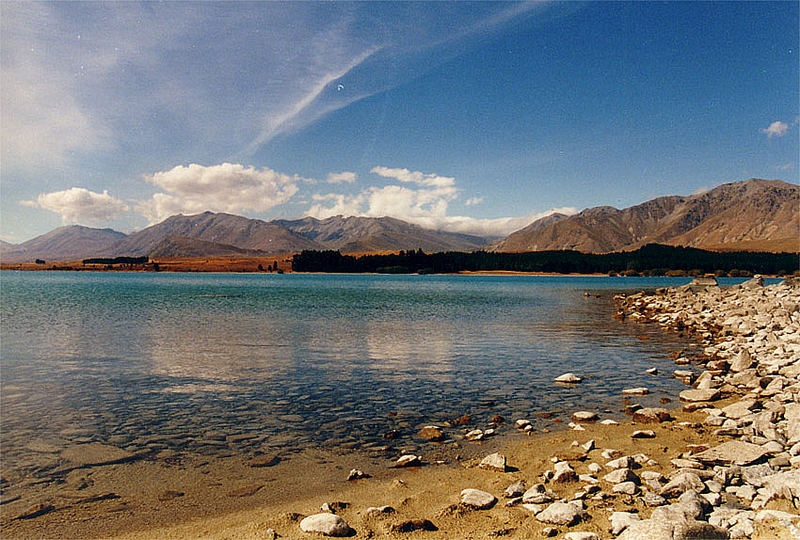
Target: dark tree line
{"points": [[652, 259], [117, 260]]}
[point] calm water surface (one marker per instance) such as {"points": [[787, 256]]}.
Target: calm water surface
{"points": [[229, 363]]}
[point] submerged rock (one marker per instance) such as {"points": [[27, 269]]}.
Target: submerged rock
{"points": [[569, 378]]}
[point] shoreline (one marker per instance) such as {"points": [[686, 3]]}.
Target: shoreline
{"points": [[300, 485]]}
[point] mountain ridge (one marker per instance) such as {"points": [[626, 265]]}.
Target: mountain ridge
{"points": [[756, 215], [755, 211]]}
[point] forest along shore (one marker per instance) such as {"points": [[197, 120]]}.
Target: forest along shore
{"points": [[725, 465]]}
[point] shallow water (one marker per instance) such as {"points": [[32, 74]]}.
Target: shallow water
{"points": [[232, 363]]}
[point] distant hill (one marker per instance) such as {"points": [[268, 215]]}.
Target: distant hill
{"points": [[233, 231], [365, 234], [181, 246], [63, 244], [762, 215]]}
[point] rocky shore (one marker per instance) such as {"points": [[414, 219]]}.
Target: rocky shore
{"points": [[751, 335], [726, 464]]}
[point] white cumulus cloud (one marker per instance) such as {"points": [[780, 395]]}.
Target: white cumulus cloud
{"points": [[79, 205], [414, 177], [472, 201], [777, 128], [228, 187], [425, 203], [343, 177]]}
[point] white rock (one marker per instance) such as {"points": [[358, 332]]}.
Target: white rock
{"points": [[515, 490], [621, 520], [475, 498], [494, 462], [407, 460], [560, 513], [474, 435], [578, 535], [327, 524], [641, 391], [584, 416], [624, 462], [628, 488], [620, 475], [563, 473], [570, 378]]}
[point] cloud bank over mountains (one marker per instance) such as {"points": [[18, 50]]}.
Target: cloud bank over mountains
{"points": [[413, 196]]}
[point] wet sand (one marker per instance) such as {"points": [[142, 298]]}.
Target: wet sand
{"points": [[226, 498]]}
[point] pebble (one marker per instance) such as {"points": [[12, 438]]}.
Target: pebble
{"points": [[563, 473], [356, 474], [560, 513], [408, 460], [474, 435], [651, 415], [569, 378], [628, 488], [431, 433], [515, 490], [379, 511], [475, 498], [412, 525], [327, 524], [641, 391], [584, 416], [577, 535], [494, 462], [643, 434]]}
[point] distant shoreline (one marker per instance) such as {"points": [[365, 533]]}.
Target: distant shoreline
{"points": [[29, 267]]}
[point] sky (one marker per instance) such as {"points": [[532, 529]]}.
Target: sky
{"points": [[467, 117]]}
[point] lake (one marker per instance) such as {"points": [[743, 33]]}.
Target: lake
{"points": [[230, 363]]}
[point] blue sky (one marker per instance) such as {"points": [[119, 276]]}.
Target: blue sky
{"points": [[470, 117]]}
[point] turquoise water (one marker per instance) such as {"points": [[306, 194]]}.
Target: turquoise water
{"points": [[216, 363]]}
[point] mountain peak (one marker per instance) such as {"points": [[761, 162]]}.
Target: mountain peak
{"points": [[754, 214]]}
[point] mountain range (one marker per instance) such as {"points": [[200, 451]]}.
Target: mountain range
{"points": [[760, 215]]}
